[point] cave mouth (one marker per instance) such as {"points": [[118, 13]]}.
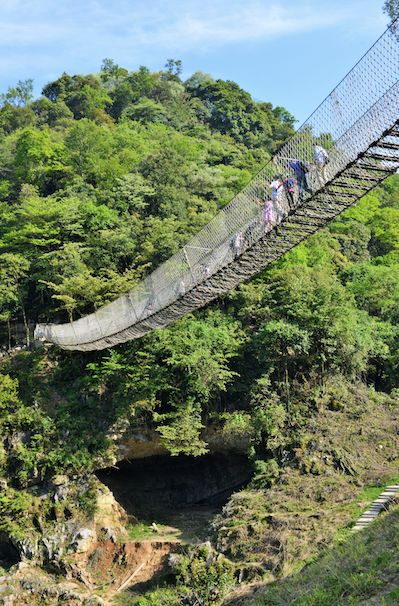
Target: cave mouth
{"points": [[168, 489], [8, 552]]}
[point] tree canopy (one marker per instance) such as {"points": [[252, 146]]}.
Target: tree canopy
{"points": [[104, 177]]}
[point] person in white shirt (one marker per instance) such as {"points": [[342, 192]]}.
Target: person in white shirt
{"points": [[277, 188], [237, 243], [320, 157]]}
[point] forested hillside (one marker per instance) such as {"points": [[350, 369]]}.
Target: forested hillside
{"points": [[106, 176], [101, 179]]}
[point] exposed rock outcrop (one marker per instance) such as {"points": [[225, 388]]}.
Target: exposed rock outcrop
{"points": [[131, 443]]}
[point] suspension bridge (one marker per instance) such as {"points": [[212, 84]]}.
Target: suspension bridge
{"points": [[358, 125]]}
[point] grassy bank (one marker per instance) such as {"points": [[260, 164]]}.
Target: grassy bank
{"points": [[363, 569]]}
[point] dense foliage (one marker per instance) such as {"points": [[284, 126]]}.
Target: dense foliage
{"points": [[391, 8], [101, 179], [203, 578], [104, 177]]}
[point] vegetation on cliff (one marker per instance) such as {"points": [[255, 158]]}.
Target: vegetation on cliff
{"points": [[103, 178]]}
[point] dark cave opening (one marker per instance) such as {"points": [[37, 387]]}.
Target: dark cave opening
{"points": [[8, 552], [176, 490]]}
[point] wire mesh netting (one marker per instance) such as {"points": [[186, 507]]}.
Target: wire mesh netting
{"points": [[346, 147]]}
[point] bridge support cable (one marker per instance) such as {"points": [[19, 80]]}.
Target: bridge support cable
{"points": [[358, 125]]}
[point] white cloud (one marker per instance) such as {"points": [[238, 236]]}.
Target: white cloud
{"points": [[174, 24], [41, 38], [253, 21]]}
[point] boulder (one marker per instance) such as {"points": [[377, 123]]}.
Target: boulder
{"points": [[83, 540]]}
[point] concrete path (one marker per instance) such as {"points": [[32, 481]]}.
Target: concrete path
{"points": [[377, 507]]}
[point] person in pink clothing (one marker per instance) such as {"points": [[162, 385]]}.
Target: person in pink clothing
{"points": [[268, 213]]}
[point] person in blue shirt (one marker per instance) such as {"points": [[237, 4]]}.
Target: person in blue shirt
{"points": [[301, 171]]}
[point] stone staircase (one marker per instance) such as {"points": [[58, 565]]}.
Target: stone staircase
{"points": [[376, 507]]}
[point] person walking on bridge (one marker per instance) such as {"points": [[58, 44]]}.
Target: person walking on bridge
{"points": [[268, 214], [237, 244], [320, 157], [276, 187], [301, 171], [289, 184]]}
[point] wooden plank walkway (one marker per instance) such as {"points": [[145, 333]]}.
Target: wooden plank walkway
{"points": [[376, 507]]}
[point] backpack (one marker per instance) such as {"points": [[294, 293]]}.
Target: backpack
{"points": [[303, 166], [289, 184]]}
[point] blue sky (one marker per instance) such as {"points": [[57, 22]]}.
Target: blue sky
{"points": [[289, 52]]}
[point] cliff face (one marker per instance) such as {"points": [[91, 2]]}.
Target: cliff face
{"points": [[130, 443], [96, 557], [157, 504]]}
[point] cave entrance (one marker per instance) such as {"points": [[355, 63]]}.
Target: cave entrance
{"points": [[180, 494], [8, 553]]}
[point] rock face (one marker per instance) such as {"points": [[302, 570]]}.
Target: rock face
{"points": [[109, 514], [97, 552], [131, 444], [137, 445], [100, 552], [60, 545], [82, 540], [122, 565], [29, 587], [88, 556]]}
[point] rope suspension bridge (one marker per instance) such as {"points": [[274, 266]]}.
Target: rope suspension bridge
{"points": [[358, 126]]}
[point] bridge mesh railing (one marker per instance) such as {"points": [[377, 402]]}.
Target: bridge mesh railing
{"points": [[363, 105]]}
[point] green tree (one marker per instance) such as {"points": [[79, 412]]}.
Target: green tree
{"points": [[174, 68], [145, 110], [20, 95], [233, 112], [50, 113], [180, 430], [39, 160], [111, 73], [87, 102], [197, 351], [14, 117], [13, 272], [204, 577], [391, 8], [385, 232]]}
